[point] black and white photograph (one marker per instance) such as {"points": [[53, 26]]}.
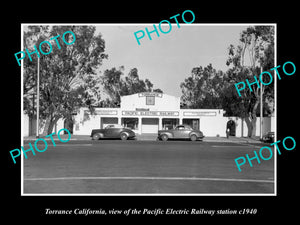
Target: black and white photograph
{"points": [[176, 112], [161, 116]]}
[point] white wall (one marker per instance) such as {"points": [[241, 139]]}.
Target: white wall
{"points": [[84, 123], [268, 125], [25, 125], [213, 126]]}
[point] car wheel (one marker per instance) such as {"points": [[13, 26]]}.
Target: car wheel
{"points": [[164, 137], [96, 136], [193, 137], [124, 136]]}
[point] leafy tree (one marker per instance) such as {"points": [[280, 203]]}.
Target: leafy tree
{"points": [[208, 88], [203, 88], [258, 42], [67, 75], [116, 86], [112, 83]]}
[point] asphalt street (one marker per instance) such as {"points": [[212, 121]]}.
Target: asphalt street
{"points": [[146, 167]]}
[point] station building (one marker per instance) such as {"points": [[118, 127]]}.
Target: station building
{"points": [[149, 112]]}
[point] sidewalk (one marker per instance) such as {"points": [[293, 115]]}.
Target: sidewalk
{"points": [[232, 139], [152, 137], [63, 137]]}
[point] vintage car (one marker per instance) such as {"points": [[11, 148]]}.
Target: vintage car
{"points": [[180, 132], [268, 137], [113, 131]]}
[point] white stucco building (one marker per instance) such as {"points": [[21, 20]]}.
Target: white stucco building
{"points": [[149, 112]]}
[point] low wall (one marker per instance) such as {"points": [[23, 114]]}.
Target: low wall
{"points": [[216, 126], [242, 129]]}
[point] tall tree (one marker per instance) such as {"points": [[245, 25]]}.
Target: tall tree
{"points": [[112, 83], [207, 88], [202, 88], [116, 86], [67, 74], [258, 42]]}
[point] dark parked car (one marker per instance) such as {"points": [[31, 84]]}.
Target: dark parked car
{"points": [[180, 132], [113, 131], [268, 137]]}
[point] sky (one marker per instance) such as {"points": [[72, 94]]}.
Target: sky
{"points": [[168, 59]]}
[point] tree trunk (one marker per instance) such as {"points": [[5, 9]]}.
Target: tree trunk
{"points": [[242, 126], [50, 122], [249, 126], [251, 120], [45, 131], [254, 118]]}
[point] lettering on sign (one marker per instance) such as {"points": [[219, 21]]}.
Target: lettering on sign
{"points": [[150, 113], [102, 112], [199, 113], [150, 94], [142, 109]]}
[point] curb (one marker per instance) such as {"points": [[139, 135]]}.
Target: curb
{"points": [[212, 139], [55, 139], [231, 141]]}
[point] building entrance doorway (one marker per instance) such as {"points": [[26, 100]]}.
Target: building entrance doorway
{"points": [[231, 126], [149, 125]]}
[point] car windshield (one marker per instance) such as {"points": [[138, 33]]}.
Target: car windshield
{"points": [[183, 127], [113, 126], [188, 127], [180, 128]]}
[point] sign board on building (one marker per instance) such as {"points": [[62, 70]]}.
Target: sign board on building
{"points": [[199, 113], [150, 94], [142, 109], [102, 112], [150, 113]]}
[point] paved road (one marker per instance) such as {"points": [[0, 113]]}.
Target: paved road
{"points": [[146, 167]]}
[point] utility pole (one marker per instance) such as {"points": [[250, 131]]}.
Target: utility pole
{"points": [[261, 106], [38, 98]]}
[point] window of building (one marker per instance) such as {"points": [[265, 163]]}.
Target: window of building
{"points": [[193, 123], [169, 123], [132, 123], [150, 100]]}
